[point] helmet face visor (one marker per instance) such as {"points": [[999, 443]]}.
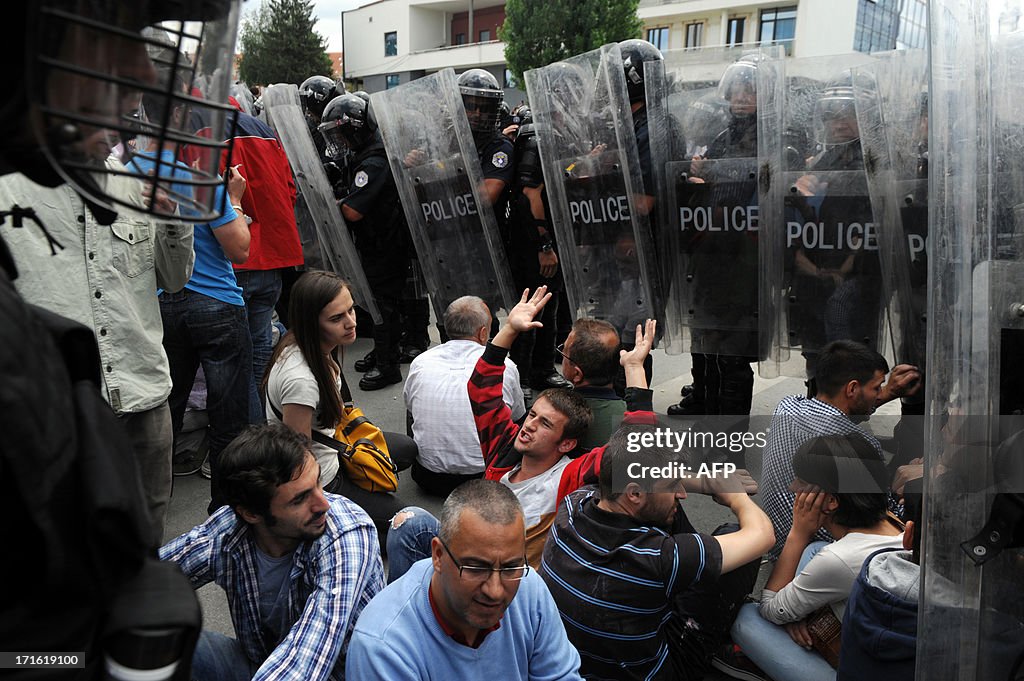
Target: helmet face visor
{"points": [[112, 80], [835, 117], [483, 113]]}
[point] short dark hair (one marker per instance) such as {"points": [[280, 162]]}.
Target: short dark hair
{"points": [[595, 357], [574, 407], [617, 456], [256, 463], [492, 501], [843, 361], [849, 468]]}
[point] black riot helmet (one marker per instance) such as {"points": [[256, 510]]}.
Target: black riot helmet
{"points": [[80, 69], [635, 53], [835, 110], [738, 86], [482, 97], [344, 124], [505, 116], [314, 94]]}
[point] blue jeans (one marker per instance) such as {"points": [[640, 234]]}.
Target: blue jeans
{"points": [[771, 648], [409, 541], [220, 658], [261, 290], [200, 330]]}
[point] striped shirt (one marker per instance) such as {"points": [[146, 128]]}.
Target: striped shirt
{"points": [[615, 581], [332, 580]]}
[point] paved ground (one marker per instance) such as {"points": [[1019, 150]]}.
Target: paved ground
{"points": [[386, 408]]}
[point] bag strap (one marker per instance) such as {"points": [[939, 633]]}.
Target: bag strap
{"points": [[317, 436], [346, 394]]}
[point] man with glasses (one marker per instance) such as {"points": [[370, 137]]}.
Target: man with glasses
{"points": [[590, 361], [474, 610]]}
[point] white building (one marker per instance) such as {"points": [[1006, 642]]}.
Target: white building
{"points": [[390, 42]]}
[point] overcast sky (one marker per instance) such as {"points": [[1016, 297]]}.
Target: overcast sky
{"points": [[328, 13]]}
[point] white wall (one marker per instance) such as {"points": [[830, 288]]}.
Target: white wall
{"points": [[364, 37], [825, 27], [427, 29]]}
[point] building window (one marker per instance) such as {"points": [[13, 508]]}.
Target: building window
{"points": [[694, 35], [485, 35], [913, 25], [658, 37], [735, 34], [510, 80], [391, 44], [390, 81], [778, 27], [890, 24], [460, 38]]}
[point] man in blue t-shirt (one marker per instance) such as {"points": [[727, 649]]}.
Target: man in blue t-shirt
{"points": [[205, 323]]}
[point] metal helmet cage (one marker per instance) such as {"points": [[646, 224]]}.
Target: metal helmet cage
{"points": [[89, 66]]}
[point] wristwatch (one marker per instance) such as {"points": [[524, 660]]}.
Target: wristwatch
{"points": [[546, 247]]}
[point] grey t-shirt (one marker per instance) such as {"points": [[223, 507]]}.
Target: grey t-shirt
{"points": [[272, 575]]}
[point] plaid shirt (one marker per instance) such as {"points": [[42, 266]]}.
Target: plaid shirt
{"points": [[797, 419], [332, 580]]}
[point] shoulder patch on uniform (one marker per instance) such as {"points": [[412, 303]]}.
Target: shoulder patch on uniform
{"points": [[362, 178], [499, 160]]}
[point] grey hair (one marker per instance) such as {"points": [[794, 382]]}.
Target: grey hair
{"points": [[492, 501], [465, 316]]}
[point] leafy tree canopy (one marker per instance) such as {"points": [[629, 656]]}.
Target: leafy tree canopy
{"points": [[279, 45]]}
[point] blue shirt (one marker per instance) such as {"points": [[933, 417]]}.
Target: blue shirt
{"points": [[212, 275], [331, 580], [398, 638]]}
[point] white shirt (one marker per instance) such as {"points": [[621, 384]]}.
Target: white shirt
{"points": [[438, 400]]}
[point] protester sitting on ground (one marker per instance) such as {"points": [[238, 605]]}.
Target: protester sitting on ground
{"points": [[306, 390], [438, 404], [849, 382], [298, 565], [532, 460], [474, 610], [590, 360], [641, 593], [880, 622], [840, 486]]}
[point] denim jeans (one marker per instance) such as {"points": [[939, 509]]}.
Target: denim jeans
{"points": [[770, 646], [200, 330], [261, 289], [220, 658], [409, 541]]}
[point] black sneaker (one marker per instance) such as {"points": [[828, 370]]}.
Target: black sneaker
{"points": [[369, 361], [731, 661], [380, 377], [189, 462]]}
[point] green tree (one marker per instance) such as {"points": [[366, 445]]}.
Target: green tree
{"points": [[279, 45], [539, 32]]}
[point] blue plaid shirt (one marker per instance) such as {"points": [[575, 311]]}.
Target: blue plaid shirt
{"points": [[796, 420], [332, 580]]}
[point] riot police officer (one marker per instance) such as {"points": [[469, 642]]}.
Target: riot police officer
{"points": [[482, 98], [372, 209], [533, 257]]}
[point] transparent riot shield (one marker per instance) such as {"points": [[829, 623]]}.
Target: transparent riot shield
{"points": [[820, 260], [892, 114], [702, 112], [240, 91], [971, 621], [432, 155], [311, 182], [312, 254], [594, 183]]}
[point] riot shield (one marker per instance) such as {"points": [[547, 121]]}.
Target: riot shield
{"points": [[820, 262], [432, 155], [311, 182], [705, 167], [971, 620], [594, 183], [892, 114], [240, 91]]}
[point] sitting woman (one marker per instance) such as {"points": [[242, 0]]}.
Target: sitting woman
{"points": [[840, 486], [306, 390]]}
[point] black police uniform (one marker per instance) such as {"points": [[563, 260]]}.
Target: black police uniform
{"points": [[382, 239], [527, 236]]}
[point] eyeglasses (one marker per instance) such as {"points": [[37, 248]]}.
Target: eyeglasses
{"points": [[480, 574], [560, 349]]}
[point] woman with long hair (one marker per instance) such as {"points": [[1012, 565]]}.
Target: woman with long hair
{"points": [[303, 386]]}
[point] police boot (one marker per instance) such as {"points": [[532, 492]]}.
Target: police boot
{"points": [[381, 376], [543, 381], [409, 353], [368, 362], [688, 406], [686, 390]]}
